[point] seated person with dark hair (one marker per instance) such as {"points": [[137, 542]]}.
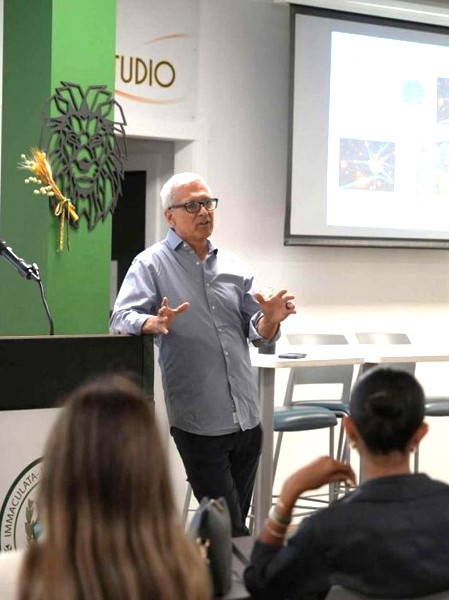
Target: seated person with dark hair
{"points": [[389, 537]]}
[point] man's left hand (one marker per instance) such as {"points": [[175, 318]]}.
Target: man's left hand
{"points": [[276, 307]]}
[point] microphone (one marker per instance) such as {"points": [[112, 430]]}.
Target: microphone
{"points": [[26, 270]]}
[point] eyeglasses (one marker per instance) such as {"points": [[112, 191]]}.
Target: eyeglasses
{"points": [[194, 206]]}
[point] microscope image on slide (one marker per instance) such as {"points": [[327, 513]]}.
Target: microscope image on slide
{"points": [[367, 165]]}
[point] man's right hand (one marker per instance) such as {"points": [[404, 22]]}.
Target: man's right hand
{"points": [[160, 324]]}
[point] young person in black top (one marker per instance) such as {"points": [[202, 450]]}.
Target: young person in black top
{"points": [[388, 538]]}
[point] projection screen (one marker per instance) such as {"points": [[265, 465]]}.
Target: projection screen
{"points": [[369, 131]]}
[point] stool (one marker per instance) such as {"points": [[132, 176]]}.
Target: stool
{"points": [[338, 377], [186, 507], [302, 417]]}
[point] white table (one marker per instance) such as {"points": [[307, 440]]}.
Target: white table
{"points": [[377, 354], [316, 356]]}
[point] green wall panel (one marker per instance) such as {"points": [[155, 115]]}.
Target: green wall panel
{"points": [[54, 41]]}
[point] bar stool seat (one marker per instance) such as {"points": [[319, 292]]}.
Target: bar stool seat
{"points": [[303, 417], [318, 380], [340, 410]]}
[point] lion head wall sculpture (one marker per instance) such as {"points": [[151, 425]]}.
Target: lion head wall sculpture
{"points": [[84, 138]]}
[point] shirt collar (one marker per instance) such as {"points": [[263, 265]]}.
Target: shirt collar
{"points": [[174, 241]]}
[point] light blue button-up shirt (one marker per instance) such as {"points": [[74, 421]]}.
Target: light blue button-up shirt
{"points": [[209, 385]]}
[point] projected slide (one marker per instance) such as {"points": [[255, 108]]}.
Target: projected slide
{"points": [[388, 161], [369, 152]]}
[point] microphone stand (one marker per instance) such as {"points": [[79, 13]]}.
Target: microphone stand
{"points": [[34, 274]]}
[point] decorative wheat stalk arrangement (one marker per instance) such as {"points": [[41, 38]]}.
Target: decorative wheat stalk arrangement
{"points": [[64, 209]]}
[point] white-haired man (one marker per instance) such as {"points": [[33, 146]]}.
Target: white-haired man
{"points": [[199, 303]]}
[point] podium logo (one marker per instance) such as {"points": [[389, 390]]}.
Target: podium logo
{"points": [[18, 515]]}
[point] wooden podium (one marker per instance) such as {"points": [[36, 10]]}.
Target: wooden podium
{"points": [[35, 373]]}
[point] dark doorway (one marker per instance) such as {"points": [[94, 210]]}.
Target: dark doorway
{"points": [[128, 222]]}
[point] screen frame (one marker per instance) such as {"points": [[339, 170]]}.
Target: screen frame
{"points": [[299, 239]]}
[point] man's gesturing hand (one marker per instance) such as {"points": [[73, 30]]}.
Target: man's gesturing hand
{"points": [[160, 324], [276, 307]]}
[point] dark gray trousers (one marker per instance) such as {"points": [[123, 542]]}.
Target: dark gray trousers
{"points": [[222, 466]]}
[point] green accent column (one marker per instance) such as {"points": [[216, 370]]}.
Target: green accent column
{"points": [[46, 42]]}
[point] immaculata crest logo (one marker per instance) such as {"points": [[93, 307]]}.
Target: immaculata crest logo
{"points": [[18, 514]]}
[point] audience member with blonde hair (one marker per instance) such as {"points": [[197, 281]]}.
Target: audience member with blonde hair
{"points": [[110, 525]]}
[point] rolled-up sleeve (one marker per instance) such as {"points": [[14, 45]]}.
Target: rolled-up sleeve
{"points": [[136, 301]]}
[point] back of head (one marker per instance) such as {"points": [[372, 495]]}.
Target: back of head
{"points": [[104, 454], [387, 407], [110, 526], [169, 188]]}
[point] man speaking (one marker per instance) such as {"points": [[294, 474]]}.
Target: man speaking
{"points": [[199, 303]]}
